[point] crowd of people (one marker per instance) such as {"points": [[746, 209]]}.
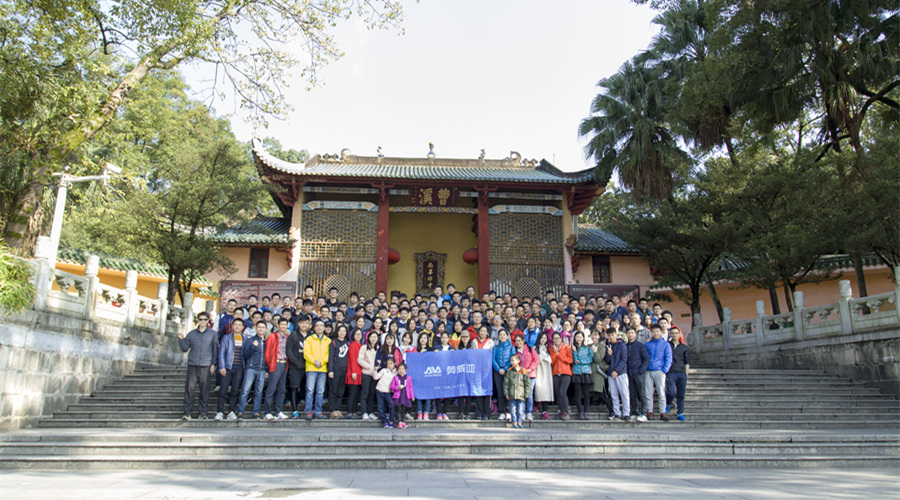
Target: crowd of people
{"points": [[545, 351]]}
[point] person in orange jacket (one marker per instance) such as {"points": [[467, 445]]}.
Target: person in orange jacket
{"points": [[561, 360]]}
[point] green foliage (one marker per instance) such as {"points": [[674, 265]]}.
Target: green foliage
{"points": [[16, 289]]}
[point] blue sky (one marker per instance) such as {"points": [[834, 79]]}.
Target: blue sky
{"points": [[501, 75]]}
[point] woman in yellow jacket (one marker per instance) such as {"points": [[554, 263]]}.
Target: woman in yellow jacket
{"points": [[315, 352]]}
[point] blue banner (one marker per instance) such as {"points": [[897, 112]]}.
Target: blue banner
{"points": [[448, 374]]}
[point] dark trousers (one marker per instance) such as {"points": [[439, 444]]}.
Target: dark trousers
{"points": [[275, 389], [296, 386], [368, 394], [498, 390], [560, 389], [353, 398], [443, 405], [197, 376], [463, 403], [603, 396], [482, 406], [400, 411], [385, 407], [636, 391], [582, 397], [336, 388], [233, 378], [676, 383]]}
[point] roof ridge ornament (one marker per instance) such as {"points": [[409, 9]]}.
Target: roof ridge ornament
{"points": [[344, 154], [431, 150]]}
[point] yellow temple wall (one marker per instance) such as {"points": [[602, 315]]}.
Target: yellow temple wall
{"points": [[412, 233]]}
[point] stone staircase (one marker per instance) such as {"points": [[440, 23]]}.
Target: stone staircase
{"points": [[736, 418]]}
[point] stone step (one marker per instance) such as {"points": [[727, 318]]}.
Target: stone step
{"points": [[861, 422], [427, 448], [442, 462], [702, 415]]}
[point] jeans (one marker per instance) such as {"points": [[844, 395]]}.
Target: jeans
{"points": [[517, 409], [423, 406], [385, 407], [560, 390], [233, 378], [676, 383], [251, 377], [276, 388], [619, 388], [197, 377], [657, 378], [315, 387], [529, 402]]}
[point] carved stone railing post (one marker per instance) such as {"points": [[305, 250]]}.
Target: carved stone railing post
{"points": [[91, 269], [210, 307], [44, 272], [188, 311], [759, 323], [131, 297], [726, 328], [897, 292], [799, 327], [162, 294], [696, 335], [844, 306]]}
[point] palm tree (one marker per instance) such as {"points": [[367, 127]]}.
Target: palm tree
{"points": [[627, 133]]}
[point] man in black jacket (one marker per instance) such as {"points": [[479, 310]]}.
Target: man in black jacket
{"points": [[296, 363], [638, 362]]}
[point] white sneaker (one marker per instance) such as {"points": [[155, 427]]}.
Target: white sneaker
{"points": [[502, 417], [269, 416], [281, 416], [642, 418], [529, 417], [372, 416], [231, 416], [220, 416], [508, 417], [365, 416]]}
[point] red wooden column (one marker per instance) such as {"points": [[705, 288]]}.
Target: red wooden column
{"points": [[381, 252], [484, 241]]}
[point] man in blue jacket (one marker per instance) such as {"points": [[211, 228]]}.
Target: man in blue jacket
{"points": [[660, 361], [253, 355], [638, 362]]}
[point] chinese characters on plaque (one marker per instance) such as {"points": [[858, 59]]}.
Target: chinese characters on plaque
{"points": [[429, 271], [434, 196]]}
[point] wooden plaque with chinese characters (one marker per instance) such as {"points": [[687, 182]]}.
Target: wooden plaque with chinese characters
{"points": [[434, 196], [429, 271]]}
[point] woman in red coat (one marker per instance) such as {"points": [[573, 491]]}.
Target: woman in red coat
{"points": [[354, 373]]}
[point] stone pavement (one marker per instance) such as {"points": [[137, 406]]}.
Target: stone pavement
{"points": [[452, 484]]}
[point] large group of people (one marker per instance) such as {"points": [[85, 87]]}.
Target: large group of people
{"points": [[278, 351]]}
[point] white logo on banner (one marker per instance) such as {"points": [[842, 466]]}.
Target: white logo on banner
{"points": [[432, 371]]}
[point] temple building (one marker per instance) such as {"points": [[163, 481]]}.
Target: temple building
{"points": [[376, 223]]}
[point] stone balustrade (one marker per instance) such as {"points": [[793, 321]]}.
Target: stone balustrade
{"points": [[845, 317], [87, 298]]}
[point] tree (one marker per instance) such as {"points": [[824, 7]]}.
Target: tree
{"points": [[627, 133], [16, 289], [123, 41]]}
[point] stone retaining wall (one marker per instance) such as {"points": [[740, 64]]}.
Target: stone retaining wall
{"points": [[48, 360], [873, 357]]}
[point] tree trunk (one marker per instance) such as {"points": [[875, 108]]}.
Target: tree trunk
{"points": [[773, 298], [20, 225], [788, 299], [695, 302], [860, 275], [715, 297]]}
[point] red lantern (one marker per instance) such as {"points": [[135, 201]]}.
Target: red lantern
{"points": [[470, 256], [393, 256]]}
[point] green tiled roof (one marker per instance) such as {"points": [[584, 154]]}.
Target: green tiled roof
{"points": [[593, 240], [512, 169], [116, 263], [731, 268], [270, 231]]}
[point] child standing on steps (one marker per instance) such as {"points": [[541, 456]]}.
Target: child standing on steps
{"points": [[516, 386], [402, 389], [383, 377]]}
